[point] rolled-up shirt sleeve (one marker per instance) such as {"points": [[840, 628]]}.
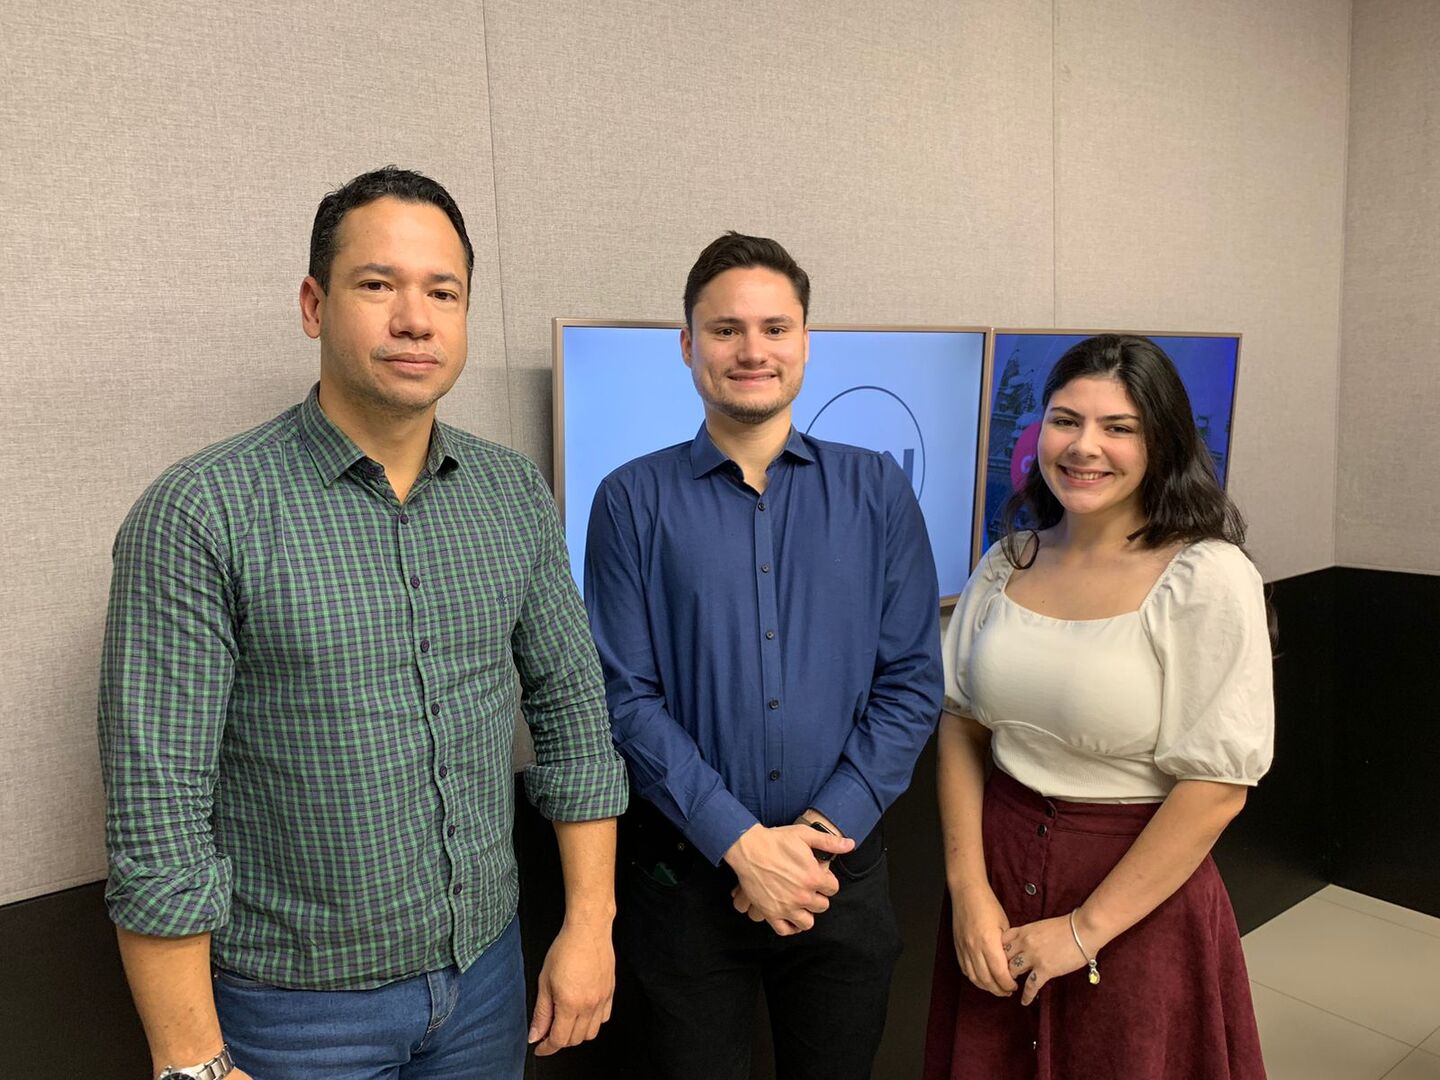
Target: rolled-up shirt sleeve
{"points": [[577, 775], [167, 667]]}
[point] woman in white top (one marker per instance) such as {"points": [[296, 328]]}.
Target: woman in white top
{"points": [[1113, 666]]}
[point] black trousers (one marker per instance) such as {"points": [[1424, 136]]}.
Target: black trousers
{"points": [[693, 967]]}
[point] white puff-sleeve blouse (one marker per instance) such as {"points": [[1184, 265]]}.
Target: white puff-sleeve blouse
{"points": [[1119, 709]]}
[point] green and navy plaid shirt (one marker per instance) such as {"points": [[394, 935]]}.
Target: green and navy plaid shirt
{"points": [[308, 694]]}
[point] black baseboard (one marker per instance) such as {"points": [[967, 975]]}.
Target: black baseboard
{"points": [[1349, 801], [1386, 737], [1278, 851], [64, 1007]]}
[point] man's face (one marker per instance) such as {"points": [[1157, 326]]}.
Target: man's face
{"points": [[746, 345], [392, 324]]}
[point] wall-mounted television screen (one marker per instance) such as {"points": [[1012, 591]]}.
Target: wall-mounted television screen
{"points": [[1020, 362], [622, 390]]}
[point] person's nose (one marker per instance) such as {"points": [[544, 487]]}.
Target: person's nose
{"points": [[752, 347], [411, 316], [1086, 443]]}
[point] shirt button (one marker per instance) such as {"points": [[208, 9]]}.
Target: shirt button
{"points": [[1049, 811], [774, 703], [435, 709], [1042, 830], [445, 771], [1030, 889], [760, 506], [414, 581], [774, 774], [764, 568], [456, 890], [404, 519], [450, 830], [769, 635], [425, 644]]}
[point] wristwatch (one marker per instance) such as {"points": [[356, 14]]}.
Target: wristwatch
{"points": [[820, 856], [217, 1067]]}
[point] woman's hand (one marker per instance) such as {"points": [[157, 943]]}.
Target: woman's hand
{"points": [[979, 925], [1042, 951]]}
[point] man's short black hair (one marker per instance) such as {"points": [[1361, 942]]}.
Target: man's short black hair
{"points": [[735, 251], [391, 182]]}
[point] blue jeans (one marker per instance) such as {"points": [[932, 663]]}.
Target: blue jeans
{"points": [[445, 1025]]}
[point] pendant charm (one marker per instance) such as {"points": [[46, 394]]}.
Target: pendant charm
{"points": [[1094, 974]]}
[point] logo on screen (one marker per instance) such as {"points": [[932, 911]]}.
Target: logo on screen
{"points": [[877, 419], [1027, 445]]}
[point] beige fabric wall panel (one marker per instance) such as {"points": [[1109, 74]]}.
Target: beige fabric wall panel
{"points": [[901, 151], [1389, 502], [1200, 163], [162, 164]]}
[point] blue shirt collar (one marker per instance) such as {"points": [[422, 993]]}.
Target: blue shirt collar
{"points": [[706, 457]]}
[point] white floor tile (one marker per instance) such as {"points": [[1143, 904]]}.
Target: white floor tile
{"points": [[1418, 1066], [1301, 1042], [1381, 909], [1380, 975], [1432, 1044]]}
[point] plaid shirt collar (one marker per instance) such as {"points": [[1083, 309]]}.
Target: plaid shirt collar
{"points": [[334, 452]]}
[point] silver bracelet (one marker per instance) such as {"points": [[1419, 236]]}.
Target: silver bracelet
{"points": [[1093, 961]]}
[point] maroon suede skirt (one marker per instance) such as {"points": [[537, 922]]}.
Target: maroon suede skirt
{"points": [[1173, 1002]]}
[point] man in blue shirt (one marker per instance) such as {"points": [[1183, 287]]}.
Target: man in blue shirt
{"points": [[767, 616]]}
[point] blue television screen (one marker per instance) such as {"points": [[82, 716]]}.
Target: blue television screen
{"points": [[1021, 363], [623, 391]]}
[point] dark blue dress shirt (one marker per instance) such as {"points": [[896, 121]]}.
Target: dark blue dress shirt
{"points": [[765, 653]]}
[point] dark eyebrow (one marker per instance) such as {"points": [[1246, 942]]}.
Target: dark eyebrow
{"points": [[732, 320], [1112, 416], [385, 270]]}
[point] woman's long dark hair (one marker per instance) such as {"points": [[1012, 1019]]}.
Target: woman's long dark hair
{"points": [[1179, 494]]}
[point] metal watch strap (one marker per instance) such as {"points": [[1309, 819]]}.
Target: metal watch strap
{"points": [[216, 1068]]}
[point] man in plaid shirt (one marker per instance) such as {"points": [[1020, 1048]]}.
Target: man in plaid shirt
{"points": [[307, 699]]}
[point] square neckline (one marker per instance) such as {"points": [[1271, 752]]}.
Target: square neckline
{"points": [[1154, 588]]}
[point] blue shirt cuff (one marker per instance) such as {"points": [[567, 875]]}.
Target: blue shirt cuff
{"points": [[717, 823], [849, 804]]}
